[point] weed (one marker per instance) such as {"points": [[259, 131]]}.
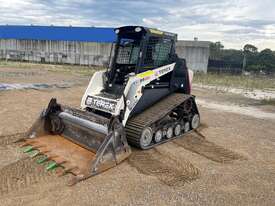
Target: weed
{"points": [[240, 81], [268, 102]]}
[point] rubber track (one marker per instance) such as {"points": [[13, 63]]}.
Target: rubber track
{"points": [[154, 113]]}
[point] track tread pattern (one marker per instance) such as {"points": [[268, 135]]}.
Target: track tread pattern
{"points": [[154, 163], [199, 145], [154, 113]]}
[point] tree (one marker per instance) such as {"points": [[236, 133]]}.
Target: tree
{"points": [[249, 52], [216, 50], [250, 58], [232, 57], [261, 61], [250, 48], [267, 60]]}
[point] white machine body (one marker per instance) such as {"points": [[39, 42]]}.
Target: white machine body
{"points": [[132, 92]]}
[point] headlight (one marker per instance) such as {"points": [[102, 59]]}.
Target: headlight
{"points": [[117, 31], [137, 29]]}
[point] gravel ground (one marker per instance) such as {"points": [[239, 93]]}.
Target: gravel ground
{"points": [[229, 161]]}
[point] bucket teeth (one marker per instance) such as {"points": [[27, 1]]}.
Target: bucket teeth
{"points": [[27, 142], [58, 153], [27, 149], [52, 165], [60, 162], [68, 170], [42, 159], [33, 153], [44, 151]]}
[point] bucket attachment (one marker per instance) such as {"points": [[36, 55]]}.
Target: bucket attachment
{"points": [[82, 143]]}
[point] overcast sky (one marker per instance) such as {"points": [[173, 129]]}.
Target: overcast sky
{"points": [[233, 22]]}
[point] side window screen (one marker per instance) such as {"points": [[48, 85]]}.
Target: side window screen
{"points": [[128, 52], [157, 52]]}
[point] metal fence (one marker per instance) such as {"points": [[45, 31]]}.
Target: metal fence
{"points": [[219, 66]]}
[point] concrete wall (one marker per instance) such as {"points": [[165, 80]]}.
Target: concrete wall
{"points": [[63, 52], [196, 53]]}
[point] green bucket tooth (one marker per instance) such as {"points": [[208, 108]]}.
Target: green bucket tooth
{"points": [[33, 153], [42, 159], [51, 166], [27, 149]]}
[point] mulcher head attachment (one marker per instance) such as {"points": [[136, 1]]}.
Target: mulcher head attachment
{"points": [[82, 143]]}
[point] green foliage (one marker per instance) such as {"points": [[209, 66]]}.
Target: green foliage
{"points": [[250, 48], [232, 57], [216, 50], [268, 102], [249, 58], [262, 61]]}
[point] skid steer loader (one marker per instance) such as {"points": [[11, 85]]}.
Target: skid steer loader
{"points": [[143, 99]]}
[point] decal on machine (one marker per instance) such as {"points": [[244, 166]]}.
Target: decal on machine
{"points": [[101, 104], [163, 71], [151, 74], [146, 74]]}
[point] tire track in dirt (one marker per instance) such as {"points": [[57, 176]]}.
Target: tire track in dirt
{"points": [[197, 143], [21, 171], [168, 170], [9, 139], [22, 174], [9, 151]]}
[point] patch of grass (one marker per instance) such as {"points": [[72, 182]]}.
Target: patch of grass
{"points": [[74, 69], [236, 81], [268, 102]]}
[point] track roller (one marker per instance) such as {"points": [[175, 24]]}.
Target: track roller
{"points": [[164, 121], [169, 132], [146, 137], [158, 136], [177, 129], [195, 122]]}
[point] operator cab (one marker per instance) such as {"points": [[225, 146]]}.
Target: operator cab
{"points": [[137, 50]]}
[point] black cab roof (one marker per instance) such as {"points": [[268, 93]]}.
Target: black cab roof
{"points": [[144, 30]]}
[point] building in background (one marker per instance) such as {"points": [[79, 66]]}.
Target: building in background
{"points": [[196, 54], [79, 45], [52, 44]]}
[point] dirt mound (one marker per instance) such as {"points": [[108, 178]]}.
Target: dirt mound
{"points": [[152, 162], [197, 143]]}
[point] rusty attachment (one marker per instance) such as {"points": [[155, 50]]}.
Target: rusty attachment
{"points": [[76, 142]]}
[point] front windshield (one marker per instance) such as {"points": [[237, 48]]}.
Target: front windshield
{"points": [[128, 51]]}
